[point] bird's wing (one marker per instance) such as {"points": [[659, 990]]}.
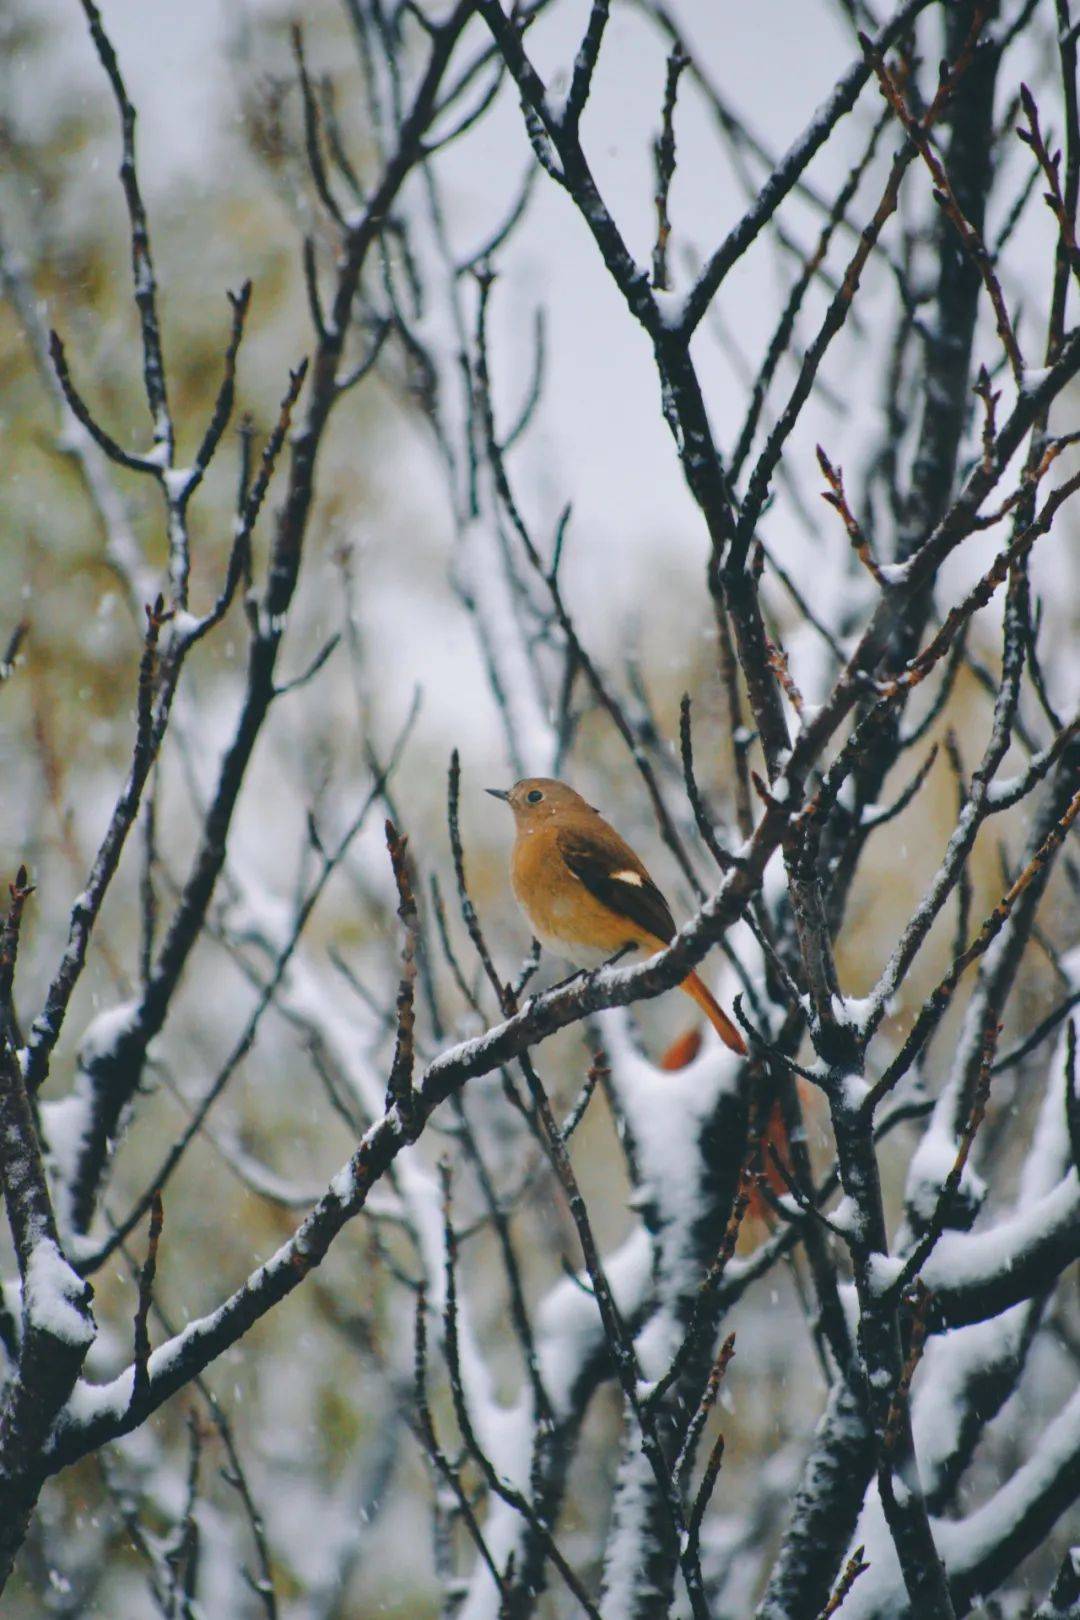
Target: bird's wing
{"points": [[613, 873]]}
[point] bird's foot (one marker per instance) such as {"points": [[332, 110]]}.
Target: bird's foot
{"points": [[572, 978], [591, 973], [612, 961]]}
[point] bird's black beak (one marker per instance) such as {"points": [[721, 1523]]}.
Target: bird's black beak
{"points": [[498, 793]]}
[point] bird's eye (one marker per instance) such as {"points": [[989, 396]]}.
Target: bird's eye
{"points": [[535, 796]]}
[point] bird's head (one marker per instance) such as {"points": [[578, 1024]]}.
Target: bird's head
{"points": [[537, 798]]}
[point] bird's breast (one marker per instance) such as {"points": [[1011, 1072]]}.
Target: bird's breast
{"points": [[563, 914]]}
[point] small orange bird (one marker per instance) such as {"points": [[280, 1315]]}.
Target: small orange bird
{"points": [[586, 895]]}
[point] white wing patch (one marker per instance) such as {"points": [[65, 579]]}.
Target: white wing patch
{"points": [[627, 877]]}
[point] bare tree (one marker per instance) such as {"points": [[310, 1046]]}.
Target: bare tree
{"points": [[911, 1175]]}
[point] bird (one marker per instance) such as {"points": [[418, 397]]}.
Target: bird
{"points": [[585, 894]]}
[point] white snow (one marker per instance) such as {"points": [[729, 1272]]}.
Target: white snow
{"points": [[966, 1259], [665, 1113], [105, 1031], [1051, 1151], [64, 1124], [1033, 377], [931, 1164], [622, 1565], [853, 1088], [53, 1292], [882, 1271], [671, 307], [176, 481], [66, 1120], [89, 1402], [185, 624], [845, 1217], [950, 1364], [965, 1542], [568, 1327], [343, 1185]]}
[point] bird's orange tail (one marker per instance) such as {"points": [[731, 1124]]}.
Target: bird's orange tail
{"points": [[713, 1011]]}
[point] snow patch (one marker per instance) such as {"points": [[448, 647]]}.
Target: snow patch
{"points": [[930, 1166], [176, 481], [671, 308], [54, 1296], [882, 1271], [1033, 377], [970, 1259], [853, 1089], [568, 1327], [343, 1185], [105, 1032], [845, 1217]]}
